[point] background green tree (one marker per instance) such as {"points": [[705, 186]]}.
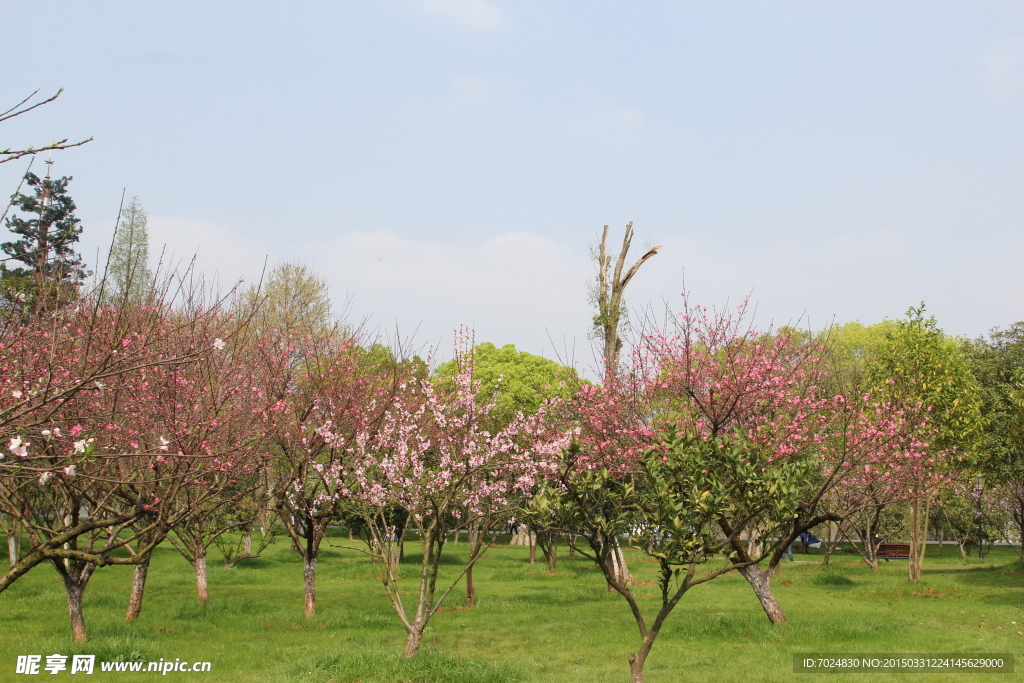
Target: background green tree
{"points": [[998, 363], [518, 382], [919, 367], [128, 273], [48, 229]]}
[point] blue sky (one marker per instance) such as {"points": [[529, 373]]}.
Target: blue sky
{"points": [[450, 161]]}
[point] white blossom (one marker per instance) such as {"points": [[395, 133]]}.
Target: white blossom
{"points": [[19, 447]]}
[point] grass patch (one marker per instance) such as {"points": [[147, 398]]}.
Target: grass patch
{"points": [[529, 624], [386, 666]]}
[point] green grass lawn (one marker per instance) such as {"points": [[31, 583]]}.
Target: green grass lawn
{"points": [[529, 624]]}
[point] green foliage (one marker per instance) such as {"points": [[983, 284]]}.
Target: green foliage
{"points": [[517, 381], [919, 364], [850, 349], [128, 273], [697, 484], [382, 357], [957, 515], [998, 364], [48, 230], [294, 299]]}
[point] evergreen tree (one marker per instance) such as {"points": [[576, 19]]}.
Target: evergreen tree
{"points": [[48, 230], [128, 273]]}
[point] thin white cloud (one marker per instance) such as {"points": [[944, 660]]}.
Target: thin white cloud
{"points": [[465, 92], [1003, 69], [476, 15], [608, 121], [218, 251], [513, 288]]}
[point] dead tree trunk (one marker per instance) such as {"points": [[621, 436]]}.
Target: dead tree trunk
{"points": [[611, 308], [610, 305]]}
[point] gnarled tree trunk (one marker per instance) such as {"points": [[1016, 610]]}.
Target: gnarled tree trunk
{"points": [[138, 590], [75, 574], [761, 581]]}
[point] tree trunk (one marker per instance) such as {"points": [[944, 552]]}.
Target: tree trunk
{"points": [[552, 551], [916, 546], [138, 589], [619, 569], [74, 591], [309, 576], [470, 588], [202, 579], [75, 575], [247, 543], [761, 581], [14, 543], [412, 643], [638, 659], [531, 538], [475, 539]]}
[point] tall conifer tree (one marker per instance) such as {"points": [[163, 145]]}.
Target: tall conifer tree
{"points": [[48, 229], [128, 272]]}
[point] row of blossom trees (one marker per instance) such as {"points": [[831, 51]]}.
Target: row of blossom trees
{"points": [[181, 419]]}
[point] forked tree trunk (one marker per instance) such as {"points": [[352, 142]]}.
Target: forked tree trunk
{"points": [[202, 579], [413, 640], [309, 577], [75, 575], [761, 581], [138, 590], [619, 568]]}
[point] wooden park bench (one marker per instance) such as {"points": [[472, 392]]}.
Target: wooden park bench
{"points": [[893, 551]]}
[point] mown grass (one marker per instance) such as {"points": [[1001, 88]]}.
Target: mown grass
{"points": [[529, 624]]}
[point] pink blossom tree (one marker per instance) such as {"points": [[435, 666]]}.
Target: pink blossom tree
{"points": [[435, 459], [318, 389], [81, 473]]}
